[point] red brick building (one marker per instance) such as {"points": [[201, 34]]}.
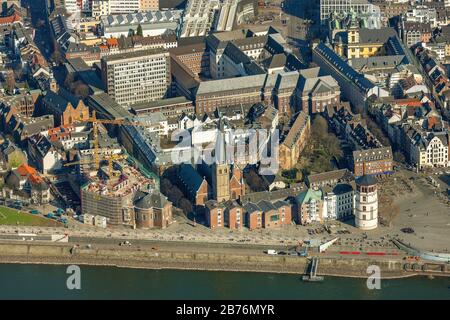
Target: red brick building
{"points": [[273, 215], [237, 186], [193, 185], [316, 93], [234, 215], [227, 92], [253, 216], [284, 93], [65, 110], [229, 214], [193, 56], [375, 161], [214, 213], [152, 211]]}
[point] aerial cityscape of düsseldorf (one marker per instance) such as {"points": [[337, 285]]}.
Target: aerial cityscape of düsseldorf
{"points": [[205, 152]]}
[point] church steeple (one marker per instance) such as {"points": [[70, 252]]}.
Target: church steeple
{"points": [[220, 147], [221, 168]]}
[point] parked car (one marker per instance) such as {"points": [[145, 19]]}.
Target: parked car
{"points": [[63, 220], [303, 253], [407, 230]]}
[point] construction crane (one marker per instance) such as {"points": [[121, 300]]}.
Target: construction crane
{"points": [[110, 159], [95, 121]]}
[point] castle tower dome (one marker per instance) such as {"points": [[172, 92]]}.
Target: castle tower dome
{"points": [[366, 203]]}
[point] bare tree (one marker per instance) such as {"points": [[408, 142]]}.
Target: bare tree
{"points": [[10, 81], [81, 90], [186, 205], [254, 181], [57, 55]]}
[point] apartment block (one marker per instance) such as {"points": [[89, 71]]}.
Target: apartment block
{"points": [[415, 32], [374, 161], [137, 76]]}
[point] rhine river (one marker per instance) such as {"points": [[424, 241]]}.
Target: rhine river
{"points": [[49, 282]]}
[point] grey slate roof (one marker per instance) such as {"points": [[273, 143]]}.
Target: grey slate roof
{"points": [[56, 101], [280, 203], [107, 106], [332, 58], [366, 180], [320, 84], [342, 188], [159, 103], [287, 80], [235, 54], [376, 35], [254, 81], [377, 62], [266, 206], [251, 207], [190, 178], [310, 72], [145, 200]]}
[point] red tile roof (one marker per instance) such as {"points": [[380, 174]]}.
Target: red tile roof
{"points": [[25, 170], [112, 42], [409, 102], [10, 19], [30, 172]]}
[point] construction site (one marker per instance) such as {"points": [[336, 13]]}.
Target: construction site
{"points": [[110, 178], [111, 192]]}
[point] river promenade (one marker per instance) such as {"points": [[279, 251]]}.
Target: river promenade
{"points": [[194, 256]]}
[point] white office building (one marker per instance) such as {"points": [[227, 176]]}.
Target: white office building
{"points": [[338, 202], [137, 76]]}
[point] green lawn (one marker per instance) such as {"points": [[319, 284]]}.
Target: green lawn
{"points": [[14, 217]]}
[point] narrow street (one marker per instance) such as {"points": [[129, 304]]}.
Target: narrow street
{"points": [[39, 18]]}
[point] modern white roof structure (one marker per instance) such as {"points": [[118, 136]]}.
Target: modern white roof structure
{"points": [[141, 17], [159, 21], [199, 17]]}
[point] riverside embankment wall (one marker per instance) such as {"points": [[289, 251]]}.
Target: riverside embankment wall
{"points": [[135, 258]]}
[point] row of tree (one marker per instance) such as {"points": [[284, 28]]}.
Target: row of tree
{"points": [[76, 87], [322, 147]]}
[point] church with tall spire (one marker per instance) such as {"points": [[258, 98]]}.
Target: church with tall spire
{"points": [[225, 177], [220, 168]]}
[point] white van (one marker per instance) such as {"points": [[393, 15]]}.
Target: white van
{"points": [[271, 252]]}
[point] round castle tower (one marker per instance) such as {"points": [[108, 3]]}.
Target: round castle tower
{"points": [[366, 203]]}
